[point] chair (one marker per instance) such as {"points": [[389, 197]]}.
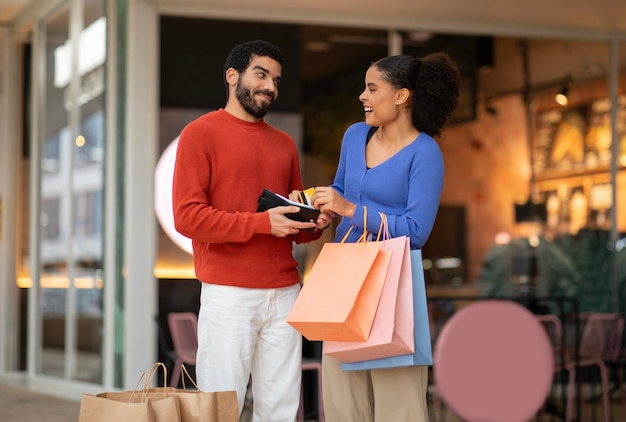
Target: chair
{"points": [[493, 361], [615, 356], [313, 365], [184, 331], [554, 329], [597, 333], [600, 330]]}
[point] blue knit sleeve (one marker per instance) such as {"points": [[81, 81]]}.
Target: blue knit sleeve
{"points": [[424, 192]]}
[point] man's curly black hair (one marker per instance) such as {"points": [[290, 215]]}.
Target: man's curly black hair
{"points": [[241, 55]]}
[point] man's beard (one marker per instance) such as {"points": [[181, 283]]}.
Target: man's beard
{"points": [[244, 95]]}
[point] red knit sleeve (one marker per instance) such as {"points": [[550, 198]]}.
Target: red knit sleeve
{"points": [[194, 217]]}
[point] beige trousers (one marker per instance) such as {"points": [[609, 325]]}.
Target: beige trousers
{"points": [[378, 395]]}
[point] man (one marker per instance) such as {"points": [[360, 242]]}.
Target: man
{"points": [[244, 259]]}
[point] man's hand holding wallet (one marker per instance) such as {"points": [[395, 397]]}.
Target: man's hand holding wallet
{"points": [[306, 212]]}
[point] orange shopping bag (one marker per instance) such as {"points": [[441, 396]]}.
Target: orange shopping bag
{"points": [[392, 330], [340, 297]]}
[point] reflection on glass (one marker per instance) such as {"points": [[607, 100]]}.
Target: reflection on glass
{"points": [[72, 200], [53, 264]]}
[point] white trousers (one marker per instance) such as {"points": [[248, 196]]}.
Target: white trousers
{"points": [[242, 332]]}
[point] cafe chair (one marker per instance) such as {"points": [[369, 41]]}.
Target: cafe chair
{"points": [[598, 331], [493, 362], [554, 329], [184, 331], [615, 357], [602, 334]]}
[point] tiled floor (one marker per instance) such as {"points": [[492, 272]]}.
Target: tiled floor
{"points": [[18, 404]]}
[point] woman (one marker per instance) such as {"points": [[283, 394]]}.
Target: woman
{"points": [[390, 164]]}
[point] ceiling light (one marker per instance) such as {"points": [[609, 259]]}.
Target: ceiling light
{"points": [[317, 46], [419, 36], [561, 97]]}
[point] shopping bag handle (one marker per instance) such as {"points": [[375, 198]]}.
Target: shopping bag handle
{"points": [[153, 372], [141, 377], [150, 377], [145, 386], [383, 229], [363, 237], [148, 381], [185, 374]]}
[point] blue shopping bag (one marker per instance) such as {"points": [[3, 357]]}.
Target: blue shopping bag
{"points": [[423, 354]]}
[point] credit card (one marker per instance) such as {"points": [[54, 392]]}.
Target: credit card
{"points": [[305, 196]]}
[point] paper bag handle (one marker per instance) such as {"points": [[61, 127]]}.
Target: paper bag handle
{"points": [[363, 237], [154, 370], [185, 374], [148, 381], [383, 229], [141, 377]]}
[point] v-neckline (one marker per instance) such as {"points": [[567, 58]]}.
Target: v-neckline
{"points": [[368, 138]]}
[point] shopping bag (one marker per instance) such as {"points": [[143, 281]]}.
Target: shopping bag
{"points": [[128, 406], [200, 406], [194, 405], [423, 354], [119, 407], [342, 291], [340, 297], [392, 330]]}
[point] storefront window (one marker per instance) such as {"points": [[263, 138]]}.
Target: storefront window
{"points": [[71, 134]]}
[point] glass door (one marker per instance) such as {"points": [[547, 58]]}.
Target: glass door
{"points": [[69, 145]]}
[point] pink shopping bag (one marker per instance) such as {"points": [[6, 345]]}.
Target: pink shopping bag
{"points": [[423, 354], [392, 330]]}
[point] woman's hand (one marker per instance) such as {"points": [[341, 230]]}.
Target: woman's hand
{"points": [[323, 221], [328, 200]]}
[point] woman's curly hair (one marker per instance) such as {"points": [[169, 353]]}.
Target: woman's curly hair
{"points": [[434, 82]]}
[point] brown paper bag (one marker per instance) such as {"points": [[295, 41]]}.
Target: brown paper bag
{"points": [[128, 406], [196, 405], [160, 404], [200, 406]]}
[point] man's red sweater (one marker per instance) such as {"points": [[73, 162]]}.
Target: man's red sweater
{"points": [[222, 166]]}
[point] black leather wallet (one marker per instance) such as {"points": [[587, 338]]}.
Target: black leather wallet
{"points": [[269, 199]]}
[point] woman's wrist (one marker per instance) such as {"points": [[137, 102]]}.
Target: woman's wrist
{"points": [[351, 210]]}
